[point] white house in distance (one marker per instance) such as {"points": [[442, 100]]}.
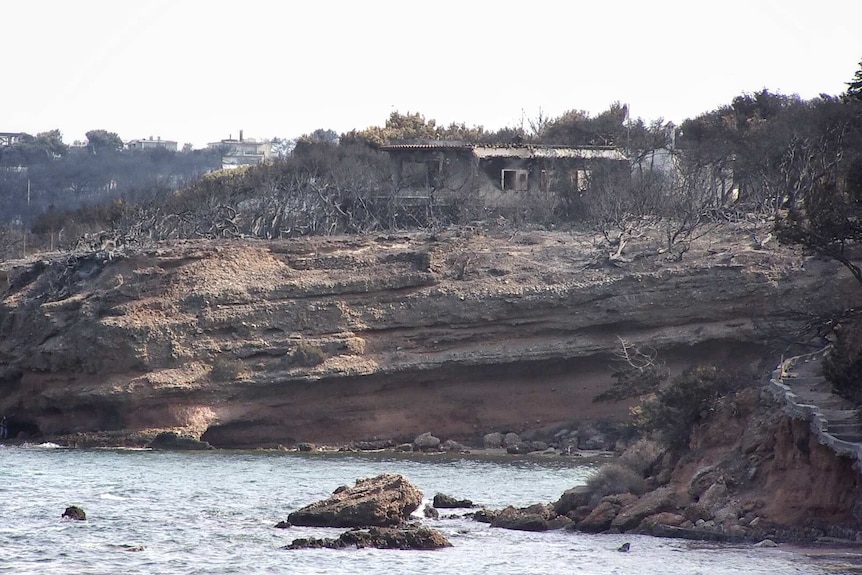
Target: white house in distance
{"points": [[242, 152], [151, 144]]}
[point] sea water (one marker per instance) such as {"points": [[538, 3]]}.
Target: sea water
{"points": [[214, 512]]}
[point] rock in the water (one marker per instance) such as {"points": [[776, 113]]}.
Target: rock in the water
{"points": [[379, 537], [532, 518], [559, 522], [484, 515], [599, 518], [573, 498], [442, 501], [426, 442], [383, 501], [283, 525], [766, 543], [74, 512], [430, 512], [625, 547], [170, 440]]}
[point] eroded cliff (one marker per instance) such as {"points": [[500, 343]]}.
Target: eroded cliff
{"points": [[250, 343]]}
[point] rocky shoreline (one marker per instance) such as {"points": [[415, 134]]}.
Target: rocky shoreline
{"points": [[378, 512], [433, 344]]}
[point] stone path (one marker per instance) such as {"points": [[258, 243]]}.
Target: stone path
{"points": [[808, 395]]}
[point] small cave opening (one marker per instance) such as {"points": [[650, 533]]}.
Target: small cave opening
{"points": [[13, 427]]}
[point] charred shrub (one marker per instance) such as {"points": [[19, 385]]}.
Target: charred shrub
{"points": [[631, 382], [614, 478], [637, 371], [306, 354], [683, 402], [227, 368]]}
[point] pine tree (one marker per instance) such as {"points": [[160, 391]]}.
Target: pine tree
{"points": [[854, 87]]}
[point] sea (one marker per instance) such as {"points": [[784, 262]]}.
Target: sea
{"points": [[214, 512]]}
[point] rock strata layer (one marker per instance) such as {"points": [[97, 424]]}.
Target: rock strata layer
{"points": [[377, 340]]}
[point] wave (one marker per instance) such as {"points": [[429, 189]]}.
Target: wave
{"points": [[46, 445], [112, 497]]}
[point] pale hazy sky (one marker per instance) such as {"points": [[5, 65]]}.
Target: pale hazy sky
{"points": [[198, 71]]}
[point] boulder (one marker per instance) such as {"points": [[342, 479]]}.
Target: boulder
{"points": [[306, 447], [532, 518], [493, 440], [601, 435], [521, 522], [599, 518], [728, 513], [559, 522], [484, 515], [383, 501], [714, 497], [665, 518], [511, 439], [591, 439], [702, 480], [374, 444], [520, 448], [430, 512], [573, 498], [662, 499], [696, 512], [423, 538], [453, 446], [74, 512], [169, 440], [538, 445], [442, 501], [426, 442]]}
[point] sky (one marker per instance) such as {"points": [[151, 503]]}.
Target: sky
{"points": [[198, 71]]}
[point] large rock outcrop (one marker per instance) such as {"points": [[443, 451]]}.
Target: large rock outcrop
{"points": [[332, 340], [749, 472], [383, 501]]}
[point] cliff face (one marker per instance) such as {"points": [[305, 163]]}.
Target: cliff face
{"points": [[767, 465], [748, 472], [339, 339]]}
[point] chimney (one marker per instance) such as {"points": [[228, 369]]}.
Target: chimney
{"points": [[240, 135]]}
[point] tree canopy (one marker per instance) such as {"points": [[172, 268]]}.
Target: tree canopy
{"points": [[99, 141]]}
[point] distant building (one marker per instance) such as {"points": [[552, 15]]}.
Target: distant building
{"points": [[501, 175], [151, 144], [9, 138], [242, 152]]}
